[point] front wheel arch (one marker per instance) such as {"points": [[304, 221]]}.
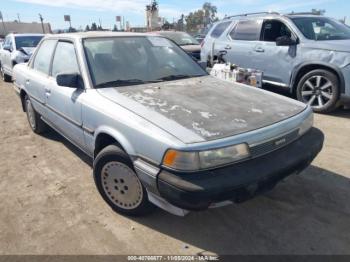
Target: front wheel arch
{"points": [[304, 69]]}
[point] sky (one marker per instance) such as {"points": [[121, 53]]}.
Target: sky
{"points": [[85, 12]]}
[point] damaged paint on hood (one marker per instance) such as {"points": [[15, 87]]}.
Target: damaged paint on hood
{"points": [[209, 107]]}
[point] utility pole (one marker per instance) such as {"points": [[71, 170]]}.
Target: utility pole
{"points": [[42, 24], [3, 24], [19, 19]]}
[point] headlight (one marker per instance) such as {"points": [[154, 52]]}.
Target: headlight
{"points": [[191, 161], [306, 125]]}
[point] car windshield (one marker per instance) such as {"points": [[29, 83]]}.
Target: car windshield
{"points": [[27, 41], [117, 61], [322, 28], [180, 38]]}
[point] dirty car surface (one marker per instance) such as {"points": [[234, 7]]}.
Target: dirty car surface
{"points": [[158, 128], [211, 108]]}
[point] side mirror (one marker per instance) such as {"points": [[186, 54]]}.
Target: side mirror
{"points": [[286, 41], [8, 48], [73, 80]]}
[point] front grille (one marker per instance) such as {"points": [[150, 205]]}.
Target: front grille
{"points": [[276, 143]]}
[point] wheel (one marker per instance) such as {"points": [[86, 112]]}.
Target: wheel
{"points": [[5, 77], [37, 125], [118, 183], [320, 89]]}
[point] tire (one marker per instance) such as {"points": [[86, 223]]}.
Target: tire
{"points": [[5, 77], [320, 89], [118, 183], [36, 124]]}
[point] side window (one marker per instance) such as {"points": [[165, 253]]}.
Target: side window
{"points": [[248, 30], [43, 56], [219, 29], [272, 29], [65, 59], [8, 43]]}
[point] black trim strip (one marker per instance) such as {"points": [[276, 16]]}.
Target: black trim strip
{"points": [[80, 125]]}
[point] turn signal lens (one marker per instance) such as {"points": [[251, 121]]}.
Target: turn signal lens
{"points": [[181, 160]]}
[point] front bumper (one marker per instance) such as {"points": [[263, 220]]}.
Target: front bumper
{"points": [[240, 181]]}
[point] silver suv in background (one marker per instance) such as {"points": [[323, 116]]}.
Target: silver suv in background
{"points": [[309, 54], [17, 48]]}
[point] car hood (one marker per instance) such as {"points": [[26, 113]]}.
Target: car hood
{"points": [[208, 107], [27, 50], [191, 48], [331, 45]]}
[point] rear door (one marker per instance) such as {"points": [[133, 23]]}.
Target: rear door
{"points": [[240, 43], [38, 76], [64, 103], [209, 50]]}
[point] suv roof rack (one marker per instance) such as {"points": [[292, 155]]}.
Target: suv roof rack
{"points": [[249, 14], [304, 13]]}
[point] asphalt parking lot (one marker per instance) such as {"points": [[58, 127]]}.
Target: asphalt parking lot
{"points": [[49, 204]]}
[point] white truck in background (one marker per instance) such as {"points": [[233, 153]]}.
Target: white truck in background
{"points": [[16, 48]]}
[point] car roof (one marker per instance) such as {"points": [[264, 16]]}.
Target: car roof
{"points": [[16, 34], [169, 32], [93, 34], [267, 15]]}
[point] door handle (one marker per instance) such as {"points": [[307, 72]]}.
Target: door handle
{"points": [[47, 91], [259, 50], [228, 47]]}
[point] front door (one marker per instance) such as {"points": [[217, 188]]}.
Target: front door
{"points": [[64, 103], [275, 61]]}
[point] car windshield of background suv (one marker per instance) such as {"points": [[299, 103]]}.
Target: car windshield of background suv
{"points": [[27, 41], [322, 28]]}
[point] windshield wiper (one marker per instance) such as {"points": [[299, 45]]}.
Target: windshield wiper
{"points": [[189, 44], [121, 82], [176, 77]]}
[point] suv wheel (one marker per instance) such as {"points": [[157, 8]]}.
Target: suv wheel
{"points": [[37, 125], [320, 89], [5, 77], [118, 183]]}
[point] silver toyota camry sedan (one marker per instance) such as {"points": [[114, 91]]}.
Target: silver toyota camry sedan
{"points": [[159, 130]]}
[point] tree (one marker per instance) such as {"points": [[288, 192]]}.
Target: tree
{"points": [[87, 28], [180, 25], [210, 12], [201, 18], [93, 27], [99, 28], [115, 28]]}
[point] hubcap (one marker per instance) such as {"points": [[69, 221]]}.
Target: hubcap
{"points": [[121, 185], [317, 91], [30, 113]]}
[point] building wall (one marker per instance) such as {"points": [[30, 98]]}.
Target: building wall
{"points": [[22, 28]]}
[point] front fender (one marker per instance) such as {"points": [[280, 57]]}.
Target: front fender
{"points": [[320, 64], [119, 137]]}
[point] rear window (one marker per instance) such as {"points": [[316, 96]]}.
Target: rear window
{"points": [[219, 29], [248, 30]]}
